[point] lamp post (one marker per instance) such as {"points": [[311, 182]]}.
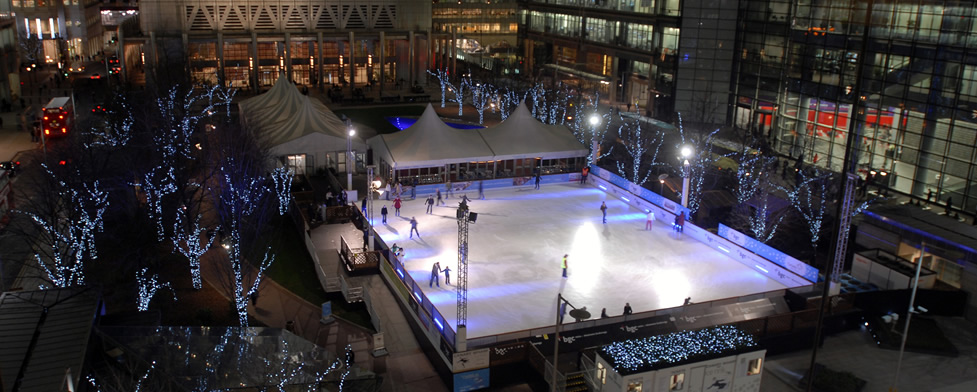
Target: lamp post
{"points": [[578, 315], [595, 149], [661, 180], [909, 316], [686, 152], [350, 160]]}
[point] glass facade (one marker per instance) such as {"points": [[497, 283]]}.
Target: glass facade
{"points": [[902, 74]]}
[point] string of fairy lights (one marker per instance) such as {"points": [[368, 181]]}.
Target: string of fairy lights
{"points": [[637, 355], [187, 241], [638, 147], [148, 287]]}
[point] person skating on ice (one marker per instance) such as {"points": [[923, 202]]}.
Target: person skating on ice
{"points": [[447, 190], [397, 205], [440, 202], [565, 265], [383, 213], [447, 275], [538, 178], [430, 204], [481, 190], [603, 210], [413, 227], [435, 271], [649, 220]]}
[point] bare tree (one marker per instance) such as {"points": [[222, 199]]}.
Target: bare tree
{"points": [[642, 147]]}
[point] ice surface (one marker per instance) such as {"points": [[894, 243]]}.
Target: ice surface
{"points": [[518, 242]]}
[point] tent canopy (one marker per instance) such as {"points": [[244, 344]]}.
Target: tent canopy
{"points": [[523, 136], [430, 142], [284, 114]]}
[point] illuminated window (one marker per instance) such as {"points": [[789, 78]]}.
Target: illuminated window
{"points": [[756, 365], [634, 386], [676, 382]]}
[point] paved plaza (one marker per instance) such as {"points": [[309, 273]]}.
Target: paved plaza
{"points": [[520, 237]]}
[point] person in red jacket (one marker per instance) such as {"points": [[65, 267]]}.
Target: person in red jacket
{"points": [[397, 205]]}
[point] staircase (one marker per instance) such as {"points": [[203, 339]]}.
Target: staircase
{"points": [[576, 383]]}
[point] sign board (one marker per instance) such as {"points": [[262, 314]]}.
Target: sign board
{"points": [[471, 381], [468, 360]]}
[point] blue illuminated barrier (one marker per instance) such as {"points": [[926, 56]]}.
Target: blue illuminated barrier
{"points": [[408, 290], [766, 260]]}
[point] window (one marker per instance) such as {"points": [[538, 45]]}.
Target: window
{"points": [[634, 386], [676, 382], [601, 373], [755, 366], [296, 163]]}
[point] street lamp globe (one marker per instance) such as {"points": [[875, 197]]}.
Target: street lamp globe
{"points": [[686, 151], [594, 120], [352, 132]]}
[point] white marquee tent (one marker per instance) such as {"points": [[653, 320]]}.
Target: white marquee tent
{"points": [[523, 136], [300, 128], [430, 143]]}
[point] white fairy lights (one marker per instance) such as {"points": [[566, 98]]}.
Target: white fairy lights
{"points": [[656, 352]]}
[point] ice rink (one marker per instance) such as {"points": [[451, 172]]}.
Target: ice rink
{"points": [[518, 242]]}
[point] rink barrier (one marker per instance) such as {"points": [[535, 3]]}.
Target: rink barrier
{"points": [[470, 187], [618, 321], [437, 329], [786, 273]]}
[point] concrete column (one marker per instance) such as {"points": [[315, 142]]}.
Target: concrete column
{"points": [[318, 61], [352, 62], [383, 59], [453, 51], [221, 75], [288, 56], [411, 58], [152, 44], [652, 88], [254, 63], [612, 92]]}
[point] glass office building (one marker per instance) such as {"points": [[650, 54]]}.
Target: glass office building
{"points": [[902, 74]]}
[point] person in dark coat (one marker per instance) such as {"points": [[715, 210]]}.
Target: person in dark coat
{"points": [[435, 270], [383, 213], [413, 228], [603, 210], [627, 308]]}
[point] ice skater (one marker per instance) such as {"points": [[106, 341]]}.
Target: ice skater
{"points": [[364, 207], [648, 220], [440, 202], [538, 178], [413, 228], [603, 210], [386, 191], [481, 190], [565, 264], [447, 190], [435, 272], [447, 275], [430, 204], [464, 198], [679, 222], [583, 175], [397, 205], [627, 308], [383, 213]]}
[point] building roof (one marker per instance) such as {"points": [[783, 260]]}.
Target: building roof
{"points": [[523, 136], [927, 224], [44, 334], [663, 351]]}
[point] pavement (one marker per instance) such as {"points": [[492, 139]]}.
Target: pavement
{"points": [[856, 352]]}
